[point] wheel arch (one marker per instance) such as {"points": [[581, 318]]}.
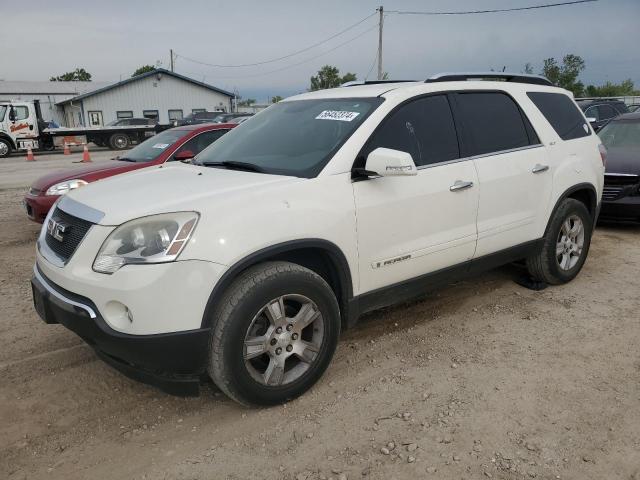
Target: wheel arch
{"points": [[583, 192], [321, 256], [4, 136]]}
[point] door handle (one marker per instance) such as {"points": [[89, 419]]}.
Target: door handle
{"points": [[460, 185], [540, 168]]}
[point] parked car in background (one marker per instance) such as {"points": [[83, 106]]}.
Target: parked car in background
{"points": [[633, 107], [248, 264], [122, 122], [180, 143], [621, 196], [599, 112], [198, 118], [240, 119]]}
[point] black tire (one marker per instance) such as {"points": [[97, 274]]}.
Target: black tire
{"points": [[545, 265], [119, 141], [234, 316], [5, 148]]}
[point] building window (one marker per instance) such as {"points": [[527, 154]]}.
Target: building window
{"points": [[198, 110], [124, 114], [153, 114], [175, 115]]}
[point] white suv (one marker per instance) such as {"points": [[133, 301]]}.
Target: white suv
{"points": [[247, 264]]}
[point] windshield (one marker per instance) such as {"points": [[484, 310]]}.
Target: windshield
{"points": [[292, 138], [151, 148], [620, 134], [3, 110]]}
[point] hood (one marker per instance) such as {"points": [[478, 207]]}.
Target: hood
{"points": [[623, 160], [169, 188], [86, 173]]}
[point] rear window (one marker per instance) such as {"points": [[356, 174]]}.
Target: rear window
{"points": [[492, 123], [563, 115]]}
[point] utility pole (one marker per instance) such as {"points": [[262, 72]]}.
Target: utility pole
{"points": [[171, 53], [381, 11]]}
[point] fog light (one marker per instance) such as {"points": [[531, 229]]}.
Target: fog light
{"points": [[118, 315]]}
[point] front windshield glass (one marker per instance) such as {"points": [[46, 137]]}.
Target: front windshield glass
{"points": [[151, 148], [3, 111], [620, 134], [294, 138]]}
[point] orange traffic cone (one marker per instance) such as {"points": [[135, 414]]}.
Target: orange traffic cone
{"points": [[30, 157], [66, 151], [86, 158]]}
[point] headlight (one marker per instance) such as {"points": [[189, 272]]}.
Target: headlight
{"points": [[63, 187], [153, 239]]}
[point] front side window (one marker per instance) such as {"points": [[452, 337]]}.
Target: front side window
{"points": [[201, 141], [21, 113], [151, 148], [562, 113], [3, 111], [295, 138], [423, 128], [492, 123], [621, 133]]}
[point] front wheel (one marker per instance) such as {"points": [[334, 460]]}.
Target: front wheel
{"points": [[119, 141], [274, 334], [566, 244], [5, 148]]}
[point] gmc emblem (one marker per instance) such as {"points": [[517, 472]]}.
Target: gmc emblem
{"points": [[57, 229]]}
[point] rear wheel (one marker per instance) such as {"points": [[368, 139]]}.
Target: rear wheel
{"points": [[5, 148], [276, 329], [119, 141], [566, 244]]}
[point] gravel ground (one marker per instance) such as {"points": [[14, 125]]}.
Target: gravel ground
{"points": [[482, 379]]}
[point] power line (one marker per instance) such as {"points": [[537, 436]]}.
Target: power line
{"points": [[497, 10], [283, 57], [304, 61]]}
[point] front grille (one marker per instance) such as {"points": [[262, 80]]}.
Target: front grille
{"points": [[75, 230], [618, 186]]}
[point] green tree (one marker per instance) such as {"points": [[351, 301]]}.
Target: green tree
{"points": [[565, 75], [610, 89], [276, 99], [528, 68], [247, 103], [329, 77], [78, 75], [143, 69]]}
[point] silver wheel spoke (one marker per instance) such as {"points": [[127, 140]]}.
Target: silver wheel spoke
{"points": [[254, 347], [559, 248], [566, 260], [274, 373], [307, 351], [305, 316], [275, 311]]}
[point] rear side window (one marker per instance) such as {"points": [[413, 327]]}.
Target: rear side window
{"points": [[424, 128], [563, 115], [492, 123]]}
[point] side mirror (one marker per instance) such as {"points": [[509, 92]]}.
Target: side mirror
{"points": [[386, 162], [184, 155], [12, 114]]}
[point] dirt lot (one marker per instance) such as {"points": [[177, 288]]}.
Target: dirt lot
{"points": [[483, 379]]}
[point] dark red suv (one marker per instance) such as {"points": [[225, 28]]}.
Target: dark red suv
{"points": [[181, 143]]}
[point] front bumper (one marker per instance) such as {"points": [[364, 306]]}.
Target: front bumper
{"points": [[625, 209], [37, 206], [174, 362]]}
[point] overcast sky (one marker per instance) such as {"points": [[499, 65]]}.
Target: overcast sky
{"points": [[110, 39]]}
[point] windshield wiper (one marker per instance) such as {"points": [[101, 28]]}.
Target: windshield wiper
{"points": [[124, 159], [233, 165]]}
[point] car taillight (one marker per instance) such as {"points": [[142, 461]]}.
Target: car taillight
{"points": [[603, 154]]}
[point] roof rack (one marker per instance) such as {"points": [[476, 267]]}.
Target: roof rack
{"points": [[373, 82], [504, 76]]}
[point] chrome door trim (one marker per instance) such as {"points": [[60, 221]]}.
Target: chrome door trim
{"points": [[476, 157]]}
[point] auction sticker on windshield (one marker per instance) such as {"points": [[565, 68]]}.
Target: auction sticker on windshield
{"points": [[161, 145], [340, 115]]}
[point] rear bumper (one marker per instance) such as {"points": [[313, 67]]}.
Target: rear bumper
{"points": [[37, 207], [626, 209], [173, 362]]}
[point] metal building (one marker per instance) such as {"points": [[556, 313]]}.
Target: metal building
{"points": [[48, 94], [160, 94]]}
